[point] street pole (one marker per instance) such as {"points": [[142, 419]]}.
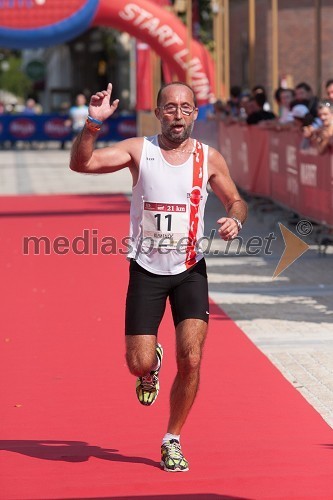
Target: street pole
{"points": [[156, 70], [252, 42], [189, 40], [218, 45], [318, 47], [275, 51], [226, 46], [133, 70]]}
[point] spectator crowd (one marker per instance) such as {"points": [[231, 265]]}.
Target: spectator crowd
{"points": [[298, 109]]}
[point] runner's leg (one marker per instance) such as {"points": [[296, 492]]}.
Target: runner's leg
{"points": [[190, 336]]}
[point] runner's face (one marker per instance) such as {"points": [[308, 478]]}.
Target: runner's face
{"points": [[177, 127]]}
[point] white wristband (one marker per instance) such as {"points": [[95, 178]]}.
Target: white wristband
{"points": [[238, 222]]}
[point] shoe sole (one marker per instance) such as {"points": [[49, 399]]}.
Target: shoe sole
{"points": [[173, 470], [148, 404]]}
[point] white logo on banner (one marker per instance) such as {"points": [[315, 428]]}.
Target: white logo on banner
{"points": [[308, 174]]}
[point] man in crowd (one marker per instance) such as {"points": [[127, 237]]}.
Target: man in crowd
{"points": [[304, 95], [78, 114], [258, 114]]}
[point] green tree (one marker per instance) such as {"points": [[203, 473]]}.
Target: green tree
{"points": [[206, 24], [205, 20], [12, 78]]}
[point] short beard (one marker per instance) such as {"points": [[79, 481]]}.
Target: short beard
{"points": [[179, 138]]}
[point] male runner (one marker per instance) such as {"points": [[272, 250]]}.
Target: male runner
{"points": [[170, 172]]}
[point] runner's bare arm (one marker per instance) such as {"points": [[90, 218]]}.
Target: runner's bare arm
{"points": [[225, 189], [86, 159]]}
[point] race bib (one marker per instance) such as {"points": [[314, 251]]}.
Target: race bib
{"points": [[165, 225]]}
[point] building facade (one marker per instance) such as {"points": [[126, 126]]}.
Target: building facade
{"points": [[297, 45]]}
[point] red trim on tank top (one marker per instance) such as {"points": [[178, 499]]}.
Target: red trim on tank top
{"points": [[194, 200]]}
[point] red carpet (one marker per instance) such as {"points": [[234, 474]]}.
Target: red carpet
{"points": [[71, 427]]}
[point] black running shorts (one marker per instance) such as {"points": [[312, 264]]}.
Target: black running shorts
{"points": [[147, 294]]}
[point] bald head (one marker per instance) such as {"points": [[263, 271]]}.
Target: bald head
{"points": [[168, 85]]}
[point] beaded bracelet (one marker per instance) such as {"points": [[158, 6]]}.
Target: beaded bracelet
{"points": [[92, 127]]}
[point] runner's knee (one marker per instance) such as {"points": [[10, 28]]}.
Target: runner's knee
{"points": [[188, 362], [141, 356], [191, 336]]}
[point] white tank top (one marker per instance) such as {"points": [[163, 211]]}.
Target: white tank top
{"points": [[167, 210]]}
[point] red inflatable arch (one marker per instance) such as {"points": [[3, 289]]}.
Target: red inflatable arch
{"points": [[167, 35]]}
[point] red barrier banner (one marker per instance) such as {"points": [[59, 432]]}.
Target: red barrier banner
{"points": [[246, 150], [233, 146], [272, 163], [283, 165], [301, 178], [316, 189], [258, 150]]}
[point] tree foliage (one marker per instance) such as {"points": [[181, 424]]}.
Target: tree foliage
{"points": [[12, 78], [206, 24], [202, 18]]}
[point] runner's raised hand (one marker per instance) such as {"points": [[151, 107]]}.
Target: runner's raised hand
{"points": [[101, 107]]}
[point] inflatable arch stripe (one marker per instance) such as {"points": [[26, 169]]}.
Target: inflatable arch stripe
{"points": [[41, 23], [167, 35]]}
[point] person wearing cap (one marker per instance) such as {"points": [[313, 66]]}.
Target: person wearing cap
{"points": [[322, 137], [301, 115], [303, 121]]}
